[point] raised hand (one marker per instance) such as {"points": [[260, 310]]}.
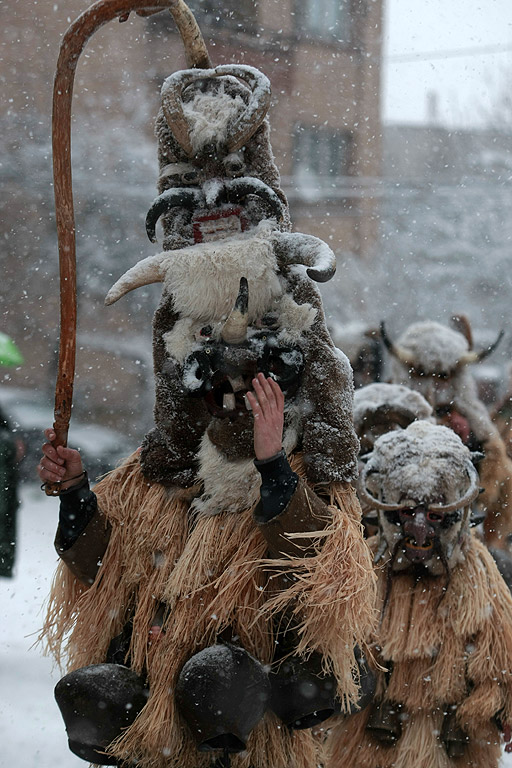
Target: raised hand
{"points": [[267, 404], [59, 465]]}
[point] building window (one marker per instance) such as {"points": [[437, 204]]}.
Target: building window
{"points": [[319, 153], [325, 18]]}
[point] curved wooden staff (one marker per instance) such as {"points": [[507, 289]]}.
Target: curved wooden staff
{"points": [[73, 43]]}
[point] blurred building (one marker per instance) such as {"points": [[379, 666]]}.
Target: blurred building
{"points": [[323, 60], [434, 153]]}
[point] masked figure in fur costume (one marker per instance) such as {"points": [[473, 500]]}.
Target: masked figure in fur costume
{"points": [[191, 571], [434, 359], [380, 408], [444, 640]]}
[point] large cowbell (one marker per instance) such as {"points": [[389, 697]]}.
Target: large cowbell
{"points": [[97, 703], [222, 693]]}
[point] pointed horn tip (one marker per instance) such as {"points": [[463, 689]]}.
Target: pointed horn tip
{"points": [[242, 300], [384, 335], [321, 276]]}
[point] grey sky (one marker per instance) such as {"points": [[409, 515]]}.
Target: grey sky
{"points": [[467, 86]]}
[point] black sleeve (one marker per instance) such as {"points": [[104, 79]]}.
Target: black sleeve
{"points": [[278, 484], [77, 507]]}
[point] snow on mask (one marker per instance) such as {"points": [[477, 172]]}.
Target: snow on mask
{"points": [[422, 482]]}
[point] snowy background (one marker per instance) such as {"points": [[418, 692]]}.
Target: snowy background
{"points": [[32, 733]]}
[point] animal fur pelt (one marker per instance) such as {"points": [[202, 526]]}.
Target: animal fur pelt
{"points": [[211, 574], [442, 652], [324, 401], [225, 219]]}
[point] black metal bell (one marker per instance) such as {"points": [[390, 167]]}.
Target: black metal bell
{"points": [[367, 682], [96, 703], [453, 737], [222, 693], [301, 695], [384, 722]]}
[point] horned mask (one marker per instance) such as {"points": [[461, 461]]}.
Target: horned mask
{"points": [[435, 360], [422, 482], [238, 292]]}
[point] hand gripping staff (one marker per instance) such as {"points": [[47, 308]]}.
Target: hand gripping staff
{"points": [[73, 43]]}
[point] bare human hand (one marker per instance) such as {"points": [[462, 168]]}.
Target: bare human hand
{"points": [[59, 465], [267, 404]]}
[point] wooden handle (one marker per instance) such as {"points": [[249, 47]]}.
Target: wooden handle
{"points": [[72, 46]]}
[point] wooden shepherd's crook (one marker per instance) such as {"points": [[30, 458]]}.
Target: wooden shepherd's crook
{"points": [[72, 46]]}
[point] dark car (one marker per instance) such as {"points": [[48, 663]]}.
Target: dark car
{"points": [[29, 413]]}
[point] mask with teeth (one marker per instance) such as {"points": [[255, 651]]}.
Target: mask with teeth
{"points": [[422, 482], [220, 373]]}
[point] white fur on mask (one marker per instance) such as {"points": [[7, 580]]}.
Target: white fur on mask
{"points": [[204, 279], [234, 486]]}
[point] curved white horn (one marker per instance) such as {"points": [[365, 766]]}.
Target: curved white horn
{"points": [[399, 352], [467, 358], [477, 357], [248, 122], [145, 272], [259, 102], [172, 104], [468, 497], [365, 495], [298, 248]]}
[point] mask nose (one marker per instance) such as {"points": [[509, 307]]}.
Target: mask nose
{"points": [[418, 528]]}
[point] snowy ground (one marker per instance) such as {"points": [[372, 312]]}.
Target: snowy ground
{"points": [[32, 734]]}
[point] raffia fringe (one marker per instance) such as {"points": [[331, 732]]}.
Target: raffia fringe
{"points": [[437, 647], [349, 744], [209, 575], [496, 479], [332, 597]]}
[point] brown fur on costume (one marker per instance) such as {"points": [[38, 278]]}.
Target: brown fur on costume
{"points": [[170, 455], [496, 479], [212, 575], [329, 443], [441, 650], [234, 439], [326, 435], [502, 417], [169, 452]]}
